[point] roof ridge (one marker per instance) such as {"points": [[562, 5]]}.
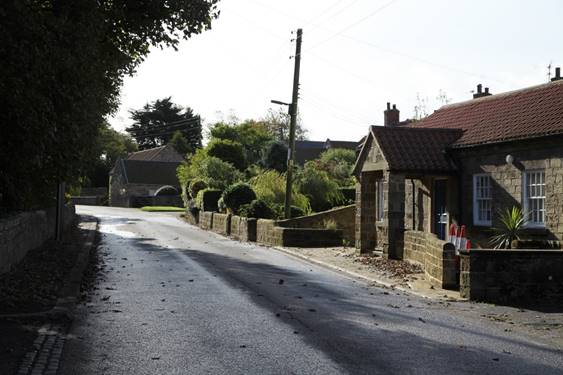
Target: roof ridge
{"points": [[501, 95]]}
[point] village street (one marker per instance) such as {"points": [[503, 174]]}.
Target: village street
{"points": [[174, 299]]}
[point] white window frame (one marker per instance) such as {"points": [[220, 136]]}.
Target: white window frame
{"points": [[478, 198], [379, 200], [533, 193]]}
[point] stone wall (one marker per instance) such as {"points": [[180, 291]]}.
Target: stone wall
{"points": [[436, 257], [206, 219], [508, 180], [243, 228], [26, 231], [308, 237], [513, 277], [221, 223], [343, 217], [266, 232], [191, 218]]}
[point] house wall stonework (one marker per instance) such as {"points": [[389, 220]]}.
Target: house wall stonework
{"points": [[507, 183]]}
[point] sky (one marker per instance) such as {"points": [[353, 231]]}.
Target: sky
{"points": [[357, 55]]}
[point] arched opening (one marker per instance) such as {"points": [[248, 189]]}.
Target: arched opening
{"points": [[166, 190]]}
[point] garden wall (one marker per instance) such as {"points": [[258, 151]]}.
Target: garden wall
{"points": [[436, 257], [512, 277], [243, 228], [206, 219], [343, 217], [26, 231], [221, 223]]}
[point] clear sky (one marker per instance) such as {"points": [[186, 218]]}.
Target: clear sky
{"points": [[357, 55]]}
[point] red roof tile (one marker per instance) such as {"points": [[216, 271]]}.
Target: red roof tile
{"points": [[528, 113], [409, 149]]}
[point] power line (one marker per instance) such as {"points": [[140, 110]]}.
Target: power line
{"points": [[381, 8]]}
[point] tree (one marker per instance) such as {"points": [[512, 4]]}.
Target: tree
{"points": [[277, 123], [110, 145], [252, 135], [155, 124], [228, 151], [180, 144], [62, 65], [316, 185], [216, 173], [275, 156], [338, 163]]}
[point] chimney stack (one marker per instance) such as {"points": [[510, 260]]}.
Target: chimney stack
{"points": [[391, 115], [480, 93], [557, 75]]}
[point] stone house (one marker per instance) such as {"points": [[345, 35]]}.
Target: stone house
{"points": [[146, 177], [462, 164]]}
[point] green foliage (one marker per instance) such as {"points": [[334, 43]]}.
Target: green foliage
{"points": [[275, 157], [62, 65], [207, 199], [338, 163], [162, 209], [348, 195], [237, 195], [316, 185], [155, 124], [329, 224], [252, 135], [270, 187], [180, 144], [216, 173], [195, 186], [221, 207], [258, 209], [513, 222], [228, 151]]}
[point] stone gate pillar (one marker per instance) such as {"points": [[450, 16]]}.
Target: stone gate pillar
{"points": [[394, 197], [365, 212]]}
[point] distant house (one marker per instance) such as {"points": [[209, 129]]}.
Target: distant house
{"points": [[311, 150], [146, 177], [461, 165]]}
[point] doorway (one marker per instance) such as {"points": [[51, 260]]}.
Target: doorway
{"points": [[440, 210]]}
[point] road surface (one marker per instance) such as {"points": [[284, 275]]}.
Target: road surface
{"points": [[178, 300]]}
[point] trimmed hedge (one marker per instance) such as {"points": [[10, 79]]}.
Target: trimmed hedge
{"points": [[207, 199], [237, 195], [258, 209]]}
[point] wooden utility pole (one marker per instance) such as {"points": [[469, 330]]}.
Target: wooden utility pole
{"points": [[292, 124]]}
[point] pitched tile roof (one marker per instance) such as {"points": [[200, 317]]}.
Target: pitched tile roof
{"points": [[150, 172], [528, 113], [162, 153], [411, 149]]}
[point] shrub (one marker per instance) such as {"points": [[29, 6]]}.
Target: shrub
{"points": [[195, 186], [316, 185], [296, 211], [338, 163], [216, 173], [348, 195], [329, 224], [275, 156], [207, 199], [258, 209], [512, 225], [228, 151], [238, 194], [270, 187], [221, 205]]}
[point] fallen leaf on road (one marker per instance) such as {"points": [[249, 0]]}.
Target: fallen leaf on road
{"points": [[155, 358], [281, 282], [422, 320]]}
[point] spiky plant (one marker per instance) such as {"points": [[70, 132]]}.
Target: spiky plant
{"points": [[512, 221]]}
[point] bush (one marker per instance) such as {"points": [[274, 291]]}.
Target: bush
{"points": [[270, 187], [338, 163], [207, 199], [193, 207], [348, 195], [228, 151], [195, 186], [275, 157], [295, 211], [221, 205], [238, 194], [216, 173], [258, 209], [316, 185]]}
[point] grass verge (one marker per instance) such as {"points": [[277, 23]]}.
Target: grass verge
{"points": [[162, 209]]}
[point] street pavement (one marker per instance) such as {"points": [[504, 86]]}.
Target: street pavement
{"points": [[174, 299]]}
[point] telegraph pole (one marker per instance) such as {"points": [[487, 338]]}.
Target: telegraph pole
{"points": [[292, 124]]}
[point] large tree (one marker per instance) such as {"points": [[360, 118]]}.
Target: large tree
{"points": [[62, 64], [155, 124]]}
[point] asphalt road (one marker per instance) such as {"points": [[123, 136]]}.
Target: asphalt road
{"points": [[178, 300]]}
